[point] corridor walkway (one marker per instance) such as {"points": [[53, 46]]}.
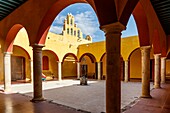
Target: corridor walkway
{"points": [[17, 103], [160, 102]]}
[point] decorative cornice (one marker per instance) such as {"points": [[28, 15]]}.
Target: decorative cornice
{"points": [[38, 45], [158, 54], [163, 57], [145, 47], [8, 53], [116, 27]]}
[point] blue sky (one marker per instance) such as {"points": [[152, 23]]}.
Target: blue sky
{"points": [[87, 21]]}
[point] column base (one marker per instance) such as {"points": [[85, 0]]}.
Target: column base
{"points": [[146, 96], [157, 86], [125, 80], [163, 82], [7, 91], [38, 100]]}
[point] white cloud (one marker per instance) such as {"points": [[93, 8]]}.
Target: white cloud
{"points": [[56, 29], [86, 21], [59, 19]]}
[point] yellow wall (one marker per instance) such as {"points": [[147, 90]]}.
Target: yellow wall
{"points": [[59, 44], [62, 45], [69, 69], [97, 49], [135, 64], [21, 40], [1, 66], [129, 44], [168, 68], [53, 64]]}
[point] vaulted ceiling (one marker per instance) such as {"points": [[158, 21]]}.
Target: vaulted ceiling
{"points": [[162, 9], [8, 6]]}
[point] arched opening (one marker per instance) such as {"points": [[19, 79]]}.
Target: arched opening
{"points": [[20, 64], [89, 65], [69, 66], [135, 71], [74, 33], [11, 36], [54, 10], [78, 33], [67, 30], [78, 29], [50, 64], [20, 57], [135, 58], [71, 31]]}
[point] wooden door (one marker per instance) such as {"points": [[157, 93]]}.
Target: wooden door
{"points": [[17, 68]]}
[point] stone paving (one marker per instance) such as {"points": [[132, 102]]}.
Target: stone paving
{"points": [[88, 98]]}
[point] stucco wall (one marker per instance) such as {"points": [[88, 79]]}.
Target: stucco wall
{"points": [[1, 66], [135, 64], [69, 69], [168, 68], [53, 64]]}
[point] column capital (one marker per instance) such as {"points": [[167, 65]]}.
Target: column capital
{"points": [[115, 28], [127, 60], [163, 58], [37, 45], [145, 47], [158, 54], [7, 53]]}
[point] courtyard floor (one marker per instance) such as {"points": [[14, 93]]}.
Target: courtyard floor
{"points": [[90, 98]]}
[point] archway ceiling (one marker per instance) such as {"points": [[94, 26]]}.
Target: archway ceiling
{"points": [[8, 6], [162, 9]]}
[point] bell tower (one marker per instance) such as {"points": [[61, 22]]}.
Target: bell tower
{"points": [[70, 28]]}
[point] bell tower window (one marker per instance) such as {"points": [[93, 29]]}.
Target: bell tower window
{"points": [[67, 30]]}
